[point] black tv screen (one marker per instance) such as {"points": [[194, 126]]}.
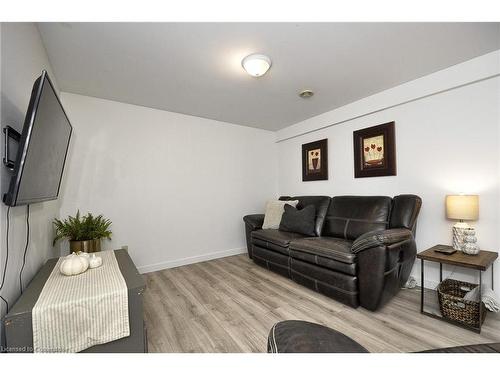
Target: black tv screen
{"points": [[42, 149]]}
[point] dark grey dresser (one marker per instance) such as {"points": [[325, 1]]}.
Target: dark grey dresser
{"points": [[18, 326]]}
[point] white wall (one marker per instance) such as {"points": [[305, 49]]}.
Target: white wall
{"points": [[445, 144], [22, 59], [175, 186]]}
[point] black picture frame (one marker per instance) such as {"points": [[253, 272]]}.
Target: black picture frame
{"points": [[315, 160], [382, 160]]}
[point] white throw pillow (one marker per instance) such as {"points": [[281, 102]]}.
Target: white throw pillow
{"points": [[274, 211]]}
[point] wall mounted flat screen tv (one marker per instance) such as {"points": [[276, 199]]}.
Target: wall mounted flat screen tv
{"points": [[42, 150]]}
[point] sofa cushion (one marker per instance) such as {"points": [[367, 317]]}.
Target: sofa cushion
{"points": [[321, 203], [274, 211], [299, 221], [328, 247], [351, 216], [274, 239]]}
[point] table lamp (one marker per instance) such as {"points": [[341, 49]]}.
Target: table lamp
{"points": [[461, 208]]}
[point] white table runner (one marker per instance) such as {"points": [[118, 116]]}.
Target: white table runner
{"points": [[74, 313]]}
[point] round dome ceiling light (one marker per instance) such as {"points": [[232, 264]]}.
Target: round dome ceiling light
{"points": [[256, 64], [306, 94]]}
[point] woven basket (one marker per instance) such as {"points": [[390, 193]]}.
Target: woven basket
{"points": [[452, 305]]}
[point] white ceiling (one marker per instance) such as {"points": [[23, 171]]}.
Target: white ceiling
{"points": [[194, 68]]}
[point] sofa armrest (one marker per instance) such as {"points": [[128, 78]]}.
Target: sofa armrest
{"points": [[252, 222], [385, 260], [255, 221], [380, 238]]}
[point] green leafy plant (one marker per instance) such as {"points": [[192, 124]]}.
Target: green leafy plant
{"points": [[81, 228]]}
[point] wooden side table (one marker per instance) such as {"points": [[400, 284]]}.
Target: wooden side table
{"points": [[480, 262]]}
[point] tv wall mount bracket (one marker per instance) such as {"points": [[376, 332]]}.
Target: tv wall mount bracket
{"points": [[10, 134]]}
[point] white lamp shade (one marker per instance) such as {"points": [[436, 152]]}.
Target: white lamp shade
{"points": [[462, 207], [256, 65]]}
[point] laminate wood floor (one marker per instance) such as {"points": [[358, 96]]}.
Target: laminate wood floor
{"points": [[229, 305]]}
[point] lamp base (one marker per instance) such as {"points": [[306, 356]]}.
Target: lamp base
{"points": [[459, 235]]}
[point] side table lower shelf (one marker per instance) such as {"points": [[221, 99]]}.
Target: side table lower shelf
{"points": [[431, 309]]}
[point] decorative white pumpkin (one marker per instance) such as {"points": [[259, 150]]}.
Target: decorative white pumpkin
{"points": [[74, 265], [94, 261]]}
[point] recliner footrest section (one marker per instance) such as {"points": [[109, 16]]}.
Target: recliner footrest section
{"points": [[347, 268], [341, 287], [271, 260]]}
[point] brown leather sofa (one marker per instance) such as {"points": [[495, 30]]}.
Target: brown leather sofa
{"points": [[362, 252]]}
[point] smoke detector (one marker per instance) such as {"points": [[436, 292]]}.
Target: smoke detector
{"points": [[304, 94]]}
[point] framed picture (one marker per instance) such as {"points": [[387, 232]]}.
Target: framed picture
{"points": [[375, 151], [315, 161]]}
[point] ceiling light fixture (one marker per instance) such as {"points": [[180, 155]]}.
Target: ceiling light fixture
{"points": [[306, 94], [256, 64]]}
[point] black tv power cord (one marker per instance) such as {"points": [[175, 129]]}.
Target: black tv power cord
{"points": [[6, 258], [4, 273]]}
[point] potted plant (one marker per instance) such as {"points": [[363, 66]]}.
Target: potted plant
{"points": [[83, 232]]}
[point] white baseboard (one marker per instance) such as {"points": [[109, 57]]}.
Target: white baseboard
{"points": [[190, 260]]}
